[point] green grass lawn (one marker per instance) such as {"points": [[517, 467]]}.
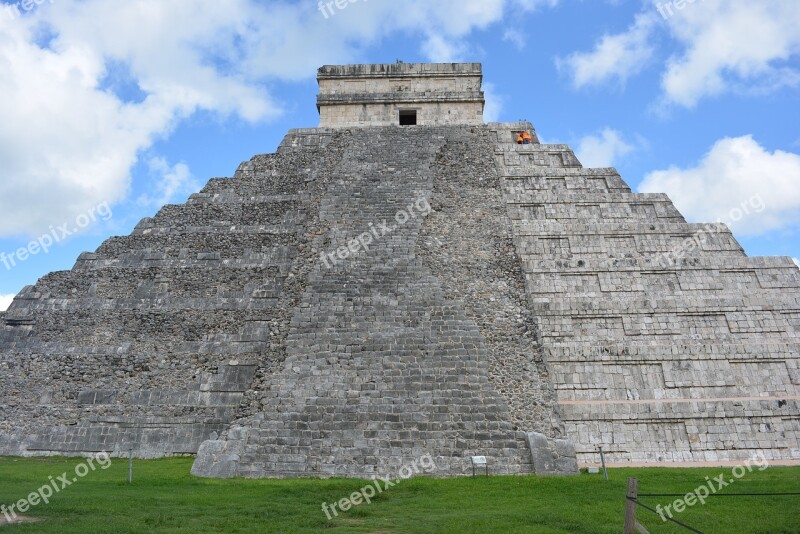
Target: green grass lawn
{"points": [[166, 498]]}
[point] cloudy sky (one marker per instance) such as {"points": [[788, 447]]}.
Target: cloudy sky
{"points": [[110, 109]]}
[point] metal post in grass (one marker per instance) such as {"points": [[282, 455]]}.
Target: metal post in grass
{"points": [[479, 460], [130, 465], [603, 462]]}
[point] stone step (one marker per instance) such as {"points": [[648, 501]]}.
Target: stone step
{"points": [[674, 380], [772, 271], [775, 408], [378, 358], [657, 248], [280, 258], [639, 284], [548, 198], [689, 430], [536, 155], [13, 335], [304, 139], [222, 198], [635, 304], [214, 348], [646, 351], [661, 242], [626, 207], [292, 224], [246, 214], [208, 245], [140, 325], [734, 325], [129, 283], [635, 370], [587, 173], [255, 299], [536, 227], [631, 372], [571, 184]]}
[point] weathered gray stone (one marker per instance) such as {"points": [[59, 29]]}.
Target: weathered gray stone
{"points": [[436, 94], [218, 459], [551, 456], [666, 343], [524, 308]]}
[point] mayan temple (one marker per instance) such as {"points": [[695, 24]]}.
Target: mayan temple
{"points": [[407, 280]]}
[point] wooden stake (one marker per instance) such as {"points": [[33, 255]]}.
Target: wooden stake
{"points": [[631, 525], [630, 506]]}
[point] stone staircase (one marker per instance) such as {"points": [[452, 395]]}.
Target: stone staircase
{"points": [[385, 363]]}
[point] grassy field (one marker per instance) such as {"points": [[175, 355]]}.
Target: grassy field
{"points": [[166, 498]]}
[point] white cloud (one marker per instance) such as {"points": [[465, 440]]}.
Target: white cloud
{"points": [[602, 150], [290, 41], [741, 46], [615, 57], [723, 45], [494, 103], [515, 37], [67, 142], [69, 137], [5, 302], [442, 50], [738, 182], [796, 262], [172, 182], [532, 5]]}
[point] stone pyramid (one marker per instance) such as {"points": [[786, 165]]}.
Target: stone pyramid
{"points": [[373, 293]]}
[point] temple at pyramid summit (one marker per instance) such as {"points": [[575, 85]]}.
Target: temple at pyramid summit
{"points": [[406, 280]]}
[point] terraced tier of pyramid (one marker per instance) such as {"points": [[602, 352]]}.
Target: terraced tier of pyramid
{"points": [[369, 295]]}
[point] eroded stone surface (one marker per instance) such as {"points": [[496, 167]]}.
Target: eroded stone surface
{"points": [[666, 342], [436, 94], [523, 308]]}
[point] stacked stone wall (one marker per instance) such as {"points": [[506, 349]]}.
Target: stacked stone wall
{"points": [[666, 342]]}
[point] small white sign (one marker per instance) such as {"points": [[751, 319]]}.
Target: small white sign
{"points": [[479, 460]]}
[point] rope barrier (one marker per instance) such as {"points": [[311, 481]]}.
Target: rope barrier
{"points": [[684, 525], [633, 495], [717, 494]]}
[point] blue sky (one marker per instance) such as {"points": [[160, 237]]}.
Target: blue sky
{"points": [[110, 109]]}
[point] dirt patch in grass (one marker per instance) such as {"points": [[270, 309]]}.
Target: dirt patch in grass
{"points": [[15, 520]]}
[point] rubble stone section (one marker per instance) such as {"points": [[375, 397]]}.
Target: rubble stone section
{"points": [[375, 95], [468, 241], [666, 342], [157, 340]]}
